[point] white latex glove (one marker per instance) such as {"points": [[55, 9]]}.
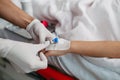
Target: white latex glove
{"points": [[38, 31], [57, 49], [24, 55]]}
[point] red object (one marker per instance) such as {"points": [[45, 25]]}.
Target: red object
{"points": [[45, 23], [52, 74]]}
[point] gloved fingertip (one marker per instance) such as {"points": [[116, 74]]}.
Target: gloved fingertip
{"points": [[42, 56], [46, 44], [42, 46]]}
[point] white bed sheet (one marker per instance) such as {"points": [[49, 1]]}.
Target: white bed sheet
{"points": [[86, 20]]}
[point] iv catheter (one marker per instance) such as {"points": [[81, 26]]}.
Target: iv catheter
{"points": [[56, 39]]}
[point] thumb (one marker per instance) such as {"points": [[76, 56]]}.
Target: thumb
{"points": [[42, 62], [43, 57]]}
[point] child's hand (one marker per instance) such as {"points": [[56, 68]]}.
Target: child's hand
{"points": [[58, 49]]}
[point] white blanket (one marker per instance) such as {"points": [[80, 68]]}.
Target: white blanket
{"points": [[86, 20]]}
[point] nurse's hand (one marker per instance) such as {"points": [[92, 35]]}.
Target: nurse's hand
{"points": [[58, 49], [25, 56], [38, 31]]}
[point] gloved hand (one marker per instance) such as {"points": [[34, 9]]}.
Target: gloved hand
{"points": [[57, 49], [24, 55], [38, 31]]}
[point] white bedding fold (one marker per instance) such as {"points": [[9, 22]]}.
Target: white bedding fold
{"points": [[87, 20]]}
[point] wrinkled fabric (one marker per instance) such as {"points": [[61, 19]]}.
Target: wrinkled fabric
{"points": [[85, 20]]}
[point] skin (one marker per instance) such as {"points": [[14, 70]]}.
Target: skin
{"points": [[110, 49], [13, 14]]}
